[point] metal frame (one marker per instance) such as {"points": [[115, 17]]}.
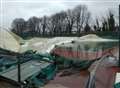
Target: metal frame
{"points": [[119, 35]]}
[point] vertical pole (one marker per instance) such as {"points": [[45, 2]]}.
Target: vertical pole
{"points": [[19, 70], [119, 35]]}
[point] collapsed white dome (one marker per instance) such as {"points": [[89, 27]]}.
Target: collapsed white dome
{"points": [[9, 40]]}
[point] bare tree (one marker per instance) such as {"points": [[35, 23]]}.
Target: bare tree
{"points": [[57, 21], [61, 18], [70, 20], [39, 27], [53, 24], [97, 25], [111, 21], [108, 22], [18, 26], [82, 16], [44, 25], [32, 23]]}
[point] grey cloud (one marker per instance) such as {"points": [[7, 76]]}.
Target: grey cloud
{"points": [[26, 8]]}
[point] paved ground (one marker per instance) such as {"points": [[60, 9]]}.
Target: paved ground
{"points": [[104, 79], [4, 84]]}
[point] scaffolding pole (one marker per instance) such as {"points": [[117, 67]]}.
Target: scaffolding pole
{"points": [[19, 69], [119, 35]]}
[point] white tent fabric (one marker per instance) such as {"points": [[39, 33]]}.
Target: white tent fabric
{"points": [[8, 41], [46, 45]]}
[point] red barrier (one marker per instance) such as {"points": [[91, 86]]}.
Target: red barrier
{"points": [[84, 54]]}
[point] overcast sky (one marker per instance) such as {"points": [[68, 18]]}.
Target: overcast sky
{"points": [[11, 9]]}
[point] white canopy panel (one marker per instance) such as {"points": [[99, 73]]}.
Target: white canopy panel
{"points": [[8, 41]]}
